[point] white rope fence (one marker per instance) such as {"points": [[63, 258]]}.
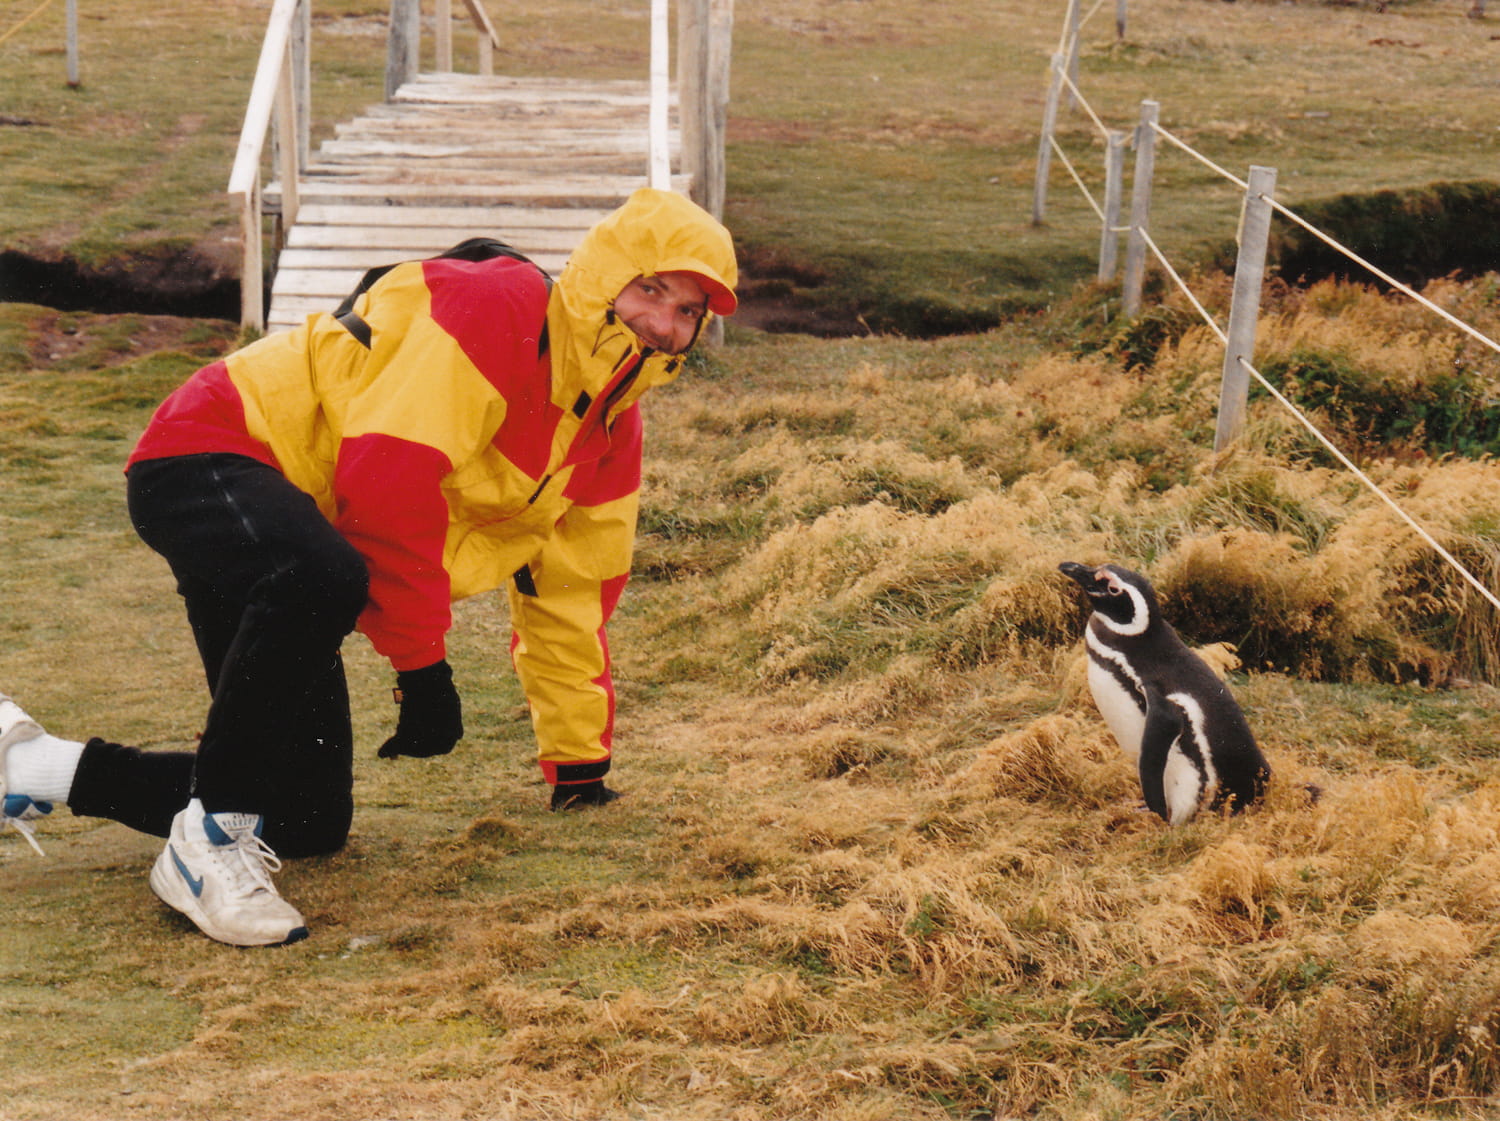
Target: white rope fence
{"points": [[1161, 259], [1305, 422], [1078, 180], [1200, 157], [1373, 487], [1146, 133], [1392, 281]]}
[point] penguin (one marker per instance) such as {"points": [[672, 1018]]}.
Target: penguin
{"points": [[1169, 712]]}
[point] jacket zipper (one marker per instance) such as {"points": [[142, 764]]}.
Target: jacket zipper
{"points": [[610, 399]]}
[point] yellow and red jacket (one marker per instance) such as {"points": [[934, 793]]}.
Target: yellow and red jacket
{"points": [[488, 434]]}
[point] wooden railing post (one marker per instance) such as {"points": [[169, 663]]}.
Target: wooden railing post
{"points": [[403, 45], [1140, 208], [252, 278], [302, 80], [266, 92], [287, 148], [442, 37], [705, 30], [692, 19], [488, 40], [1244, 312], [1044, 150], [716, 92], [658, 152], [1114, 189]]}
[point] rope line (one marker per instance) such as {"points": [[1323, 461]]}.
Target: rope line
{"points": [[1068, 164], [1200, 157], [1373, 487], [1332, 243], [42, 8], [1087, 108], [1062, 40], [1208, 319], [1186, 291], [1083, 21], [1392, 281]]}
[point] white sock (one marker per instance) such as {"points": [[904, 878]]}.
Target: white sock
{"points": [[42, 767]]}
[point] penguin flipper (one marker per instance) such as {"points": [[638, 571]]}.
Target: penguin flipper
{"points": [[1163, 726]]}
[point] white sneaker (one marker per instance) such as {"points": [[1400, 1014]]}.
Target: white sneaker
{"points": [[18, 811], [217, 871]]}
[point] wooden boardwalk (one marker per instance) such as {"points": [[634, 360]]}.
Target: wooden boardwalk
{"points": [[532, 161]]}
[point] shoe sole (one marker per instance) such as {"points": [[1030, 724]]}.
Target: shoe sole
{"points": [[169, 888]]}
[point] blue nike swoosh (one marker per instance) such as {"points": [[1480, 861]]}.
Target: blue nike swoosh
{"points": [[194, 885]]}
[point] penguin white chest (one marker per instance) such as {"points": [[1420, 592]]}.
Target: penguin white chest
{"points": [[1118, 702]]}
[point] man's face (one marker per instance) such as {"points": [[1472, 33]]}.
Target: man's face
{"points": [[663, 310]]}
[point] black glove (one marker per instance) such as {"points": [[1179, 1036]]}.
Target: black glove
{"points": [[432, 718]]}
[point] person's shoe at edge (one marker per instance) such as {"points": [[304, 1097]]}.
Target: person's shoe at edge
{"points": [[216, 870], [18, 811]]}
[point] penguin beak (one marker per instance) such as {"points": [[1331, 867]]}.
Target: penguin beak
{"points": [[1083, 575]]}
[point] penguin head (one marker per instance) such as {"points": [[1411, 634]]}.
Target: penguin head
{"points": [[1123, 600]]}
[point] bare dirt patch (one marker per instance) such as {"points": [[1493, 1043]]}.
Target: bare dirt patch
{"points": [[60, 339]]}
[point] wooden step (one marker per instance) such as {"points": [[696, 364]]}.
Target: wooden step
{"points": [[534, 162]]}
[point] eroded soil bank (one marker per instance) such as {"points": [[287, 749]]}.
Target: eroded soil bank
{"points": [[1415, 235]]}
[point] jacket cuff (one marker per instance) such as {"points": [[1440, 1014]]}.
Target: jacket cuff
{"points": [[568, 774], [419, 659]]}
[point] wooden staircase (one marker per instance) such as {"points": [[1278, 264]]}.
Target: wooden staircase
{"points": [[532, 161]]}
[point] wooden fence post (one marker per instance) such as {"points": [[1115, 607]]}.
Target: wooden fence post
{"points": [[1244, 312], [72, 20], [403, 46], [1070, 46], [1044, 150], [1114, 175], [1140, 208]]}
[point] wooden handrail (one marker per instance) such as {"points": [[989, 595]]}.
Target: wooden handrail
{"points": [[488, 40], [443, 36], [279, 96], [274, 91], [658, 151]]}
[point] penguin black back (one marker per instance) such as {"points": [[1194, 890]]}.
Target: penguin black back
{"points": [[1167, 709]]}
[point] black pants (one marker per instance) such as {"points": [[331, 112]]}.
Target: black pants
{"points": [[271, 590]]}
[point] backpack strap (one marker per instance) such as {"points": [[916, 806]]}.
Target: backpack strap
{"points": [[470, 249]]}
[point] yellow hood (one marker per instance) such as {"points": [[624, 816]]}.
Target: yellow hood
{"points": [[653, 232]]}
